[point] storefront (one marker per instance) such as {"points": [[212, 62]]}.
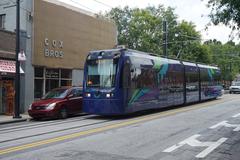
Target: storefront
{"points": [[7, 72], [7, 92], [56, 39]]}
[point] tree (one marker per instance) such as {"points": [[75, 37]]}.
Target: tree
{"points": [[214, 41], [141, 29], [185, 39], [226, 12], [225, 56]]}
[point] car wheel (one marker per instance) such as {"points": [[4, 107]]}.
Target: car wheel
{"points": [[63, 113], [230, 92]]}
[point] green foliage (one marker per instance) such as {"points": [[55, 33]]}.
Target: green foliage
{"points": [[226, 12], [185, 42], [142, 29], [226, 56], [199, 53]]}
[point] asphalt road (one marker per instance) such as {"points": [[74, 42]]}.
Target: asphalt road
{"points": [[209, 130]]}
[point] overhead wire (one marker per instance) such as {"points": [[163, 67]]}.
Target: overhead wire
{"points": [[107, 5], [20, 6], [83, 6]]}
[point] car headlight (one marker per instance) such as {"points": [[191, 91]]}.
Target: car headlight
{"points": [[51, 106], [30, 107]]}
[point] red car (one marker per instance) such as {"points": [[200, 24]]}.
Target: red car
{"points": [[59, 102]]}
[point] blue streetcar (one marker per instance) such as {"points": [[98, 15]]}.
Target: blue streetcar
{"points": [[122, 81]]}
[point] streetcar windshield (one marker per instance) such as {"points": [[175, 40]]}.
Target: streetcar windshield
{"points": [[101, 72]]}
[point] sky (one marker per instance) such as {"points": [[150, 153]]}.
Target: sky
{"points": [[189, 10]]}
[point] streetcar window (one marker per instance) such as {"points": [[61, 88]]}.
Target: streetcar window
{"points": [[101, 72], [126, 75]]}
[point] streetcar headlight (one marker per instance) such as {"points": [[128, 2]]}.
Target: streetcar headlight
{"points": [[108, 95], [51, 106], [88, 95]]}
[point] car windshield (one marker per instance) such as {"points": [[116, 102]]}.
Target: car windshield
{"points": [[236, 84], [101, 72], [57, 93]]}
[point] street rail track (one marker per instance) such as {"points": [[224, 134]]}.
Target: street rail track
{"points": [[89, 117], [35, 124], [54, 131]]}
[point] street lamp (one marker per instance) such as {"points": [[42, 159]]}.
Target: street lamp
{"points": [[17, 74]]}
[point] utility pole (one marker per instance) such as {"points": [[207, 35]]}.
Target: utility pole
{"points": [[17, 74], [165, 40]]}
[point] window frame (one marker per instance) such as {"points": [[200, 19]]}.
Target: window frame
{"points": [[44, 78]]}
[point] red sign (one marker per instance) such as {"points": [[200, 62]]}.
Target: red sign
{"points": [[8, 66]]}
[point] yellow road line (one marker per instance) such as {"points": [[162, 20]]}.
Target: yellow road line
{"points": [[105, 128]]}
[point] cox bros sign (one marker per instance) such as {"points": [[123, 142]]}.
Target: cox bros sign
{"points": [[53, 48]]}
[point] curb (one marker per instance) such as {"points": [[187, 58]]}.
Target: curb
{"points": [[13, 121]]}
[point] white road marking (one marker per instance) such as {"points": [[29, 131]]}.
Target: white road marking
{"points": [[236, 115], [192, 141], [226, 124]]}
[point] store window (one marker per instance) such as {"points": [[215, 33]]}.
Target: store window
{"points": [[52, 79], [2, 21], [38, 88], [66, 77], [38, 82], [47, 79], [38, 72]]}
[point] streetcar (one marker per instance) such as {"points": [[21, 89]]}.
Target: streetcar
{"points": [[123, 81]]}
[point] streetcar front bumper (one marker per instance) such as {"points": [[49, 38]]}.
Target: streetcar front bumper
{"points": [[103, 106]]}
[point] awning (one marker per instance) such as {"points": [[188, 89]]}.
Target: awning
{"points": [[9, 66]]}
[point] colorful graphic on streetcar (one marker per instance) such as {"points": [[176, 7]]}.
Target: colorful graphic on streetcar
{"points": [[122, 81]]}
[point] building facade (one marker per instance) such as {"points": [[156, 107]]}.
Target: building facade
{"points": [[56, 39], [7, 69]]}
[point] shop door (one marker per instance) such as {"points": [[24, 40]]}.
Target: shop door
{"points": [[7, 94]]}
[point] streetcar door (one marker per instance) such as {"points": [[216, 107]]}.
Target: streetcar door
{"points": [[126, 82]]}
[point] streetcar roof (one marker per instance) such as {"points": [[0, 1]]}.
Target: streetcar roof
{"points": [[137, 53]]}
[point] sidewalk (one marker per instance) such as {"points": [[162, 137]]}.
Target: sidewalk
{"points": [[4, 119]]}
